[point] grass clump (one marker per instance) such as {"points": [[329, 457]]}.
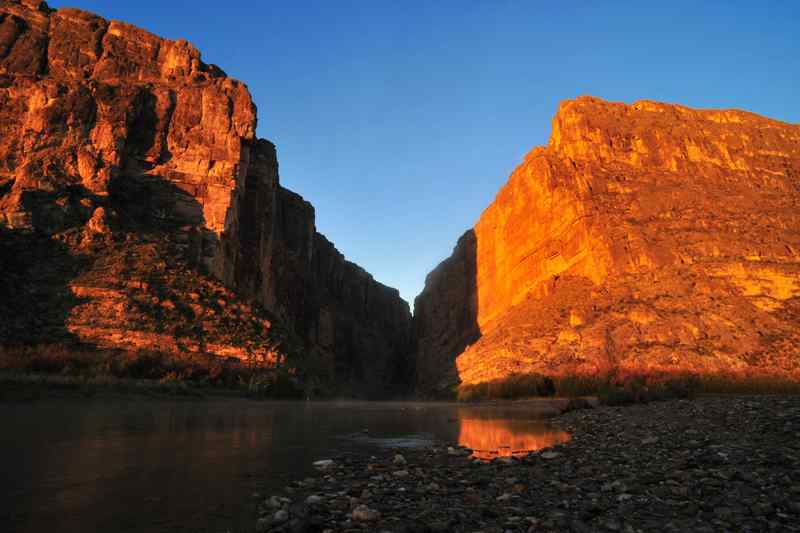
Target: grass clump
{"points": [[512, 387], [519, 386], [77, 368], [644, 388], [628, 387], [748, 384]]}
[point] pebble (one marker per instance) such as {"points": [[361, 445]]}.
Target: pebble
{"points": [[274, 502], [324, 464], [722, 463], [362, 513], [280, 516]]}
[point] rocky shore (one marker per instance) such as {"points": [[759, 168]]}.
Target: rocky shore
{"points": [[709, 464]]}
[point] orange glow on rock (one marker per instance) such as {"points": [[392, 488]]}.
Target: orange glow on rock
{"points": [[647, 238]]}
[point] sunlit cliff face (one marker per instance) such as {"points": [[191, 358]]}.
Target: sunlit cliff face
{"points": [[647, 238], [507, 437]]}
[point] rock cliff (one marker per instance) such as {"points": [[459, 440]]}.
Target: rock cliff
{"points": [[138, 209], [646, 237]]}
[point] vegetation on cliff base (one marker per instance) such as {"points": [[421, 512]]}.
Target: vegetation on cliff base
{"points": [[618, 388], [57, 366]]}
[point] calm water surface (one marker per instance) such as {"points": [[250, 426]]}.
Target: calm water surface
{"points": [[142, 465]]}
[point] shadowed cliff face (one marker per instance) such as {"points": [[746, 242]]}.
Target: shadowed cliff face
{"points": [[357, 330], [126, 149], [445, 316], [644, 237]]}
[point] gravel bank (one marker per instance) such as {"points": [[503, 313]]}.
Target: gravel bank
{"points": [[711, 464]]}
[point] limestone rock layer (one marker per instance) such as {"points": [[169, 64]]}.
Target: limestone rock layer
{"points": [[117, 146], [642, 237]]}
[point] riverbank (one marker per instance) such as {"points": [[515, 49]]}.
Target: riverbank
{"points": [[43, 371], [16, 387], [716, 463]]}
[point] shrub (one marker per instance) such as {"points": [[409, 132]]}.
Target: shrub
{"points": [[748, 384], [472, 393], [577, 385], [273, 385], [142, 365]]}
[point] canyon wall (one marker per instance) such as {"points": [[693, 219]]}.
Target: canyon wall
{"points": [[136, 198], [647, 237]]}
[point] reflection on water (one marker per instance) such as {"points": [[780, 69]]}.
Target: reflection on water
{"points": [[133, 465], [492, 437]]}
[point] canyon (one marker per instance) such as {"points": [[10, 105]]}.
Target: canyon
{"points": [[140, 211]]}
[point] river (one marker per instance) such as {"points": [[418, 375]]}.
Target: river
{"points": [[130, 464]]}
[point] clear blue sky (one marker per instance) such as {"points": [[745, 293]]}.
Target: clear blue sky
{"points": [[400, 120]]}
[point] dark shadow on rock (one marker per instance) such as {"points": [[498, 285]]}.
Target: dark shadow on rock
{"points": [[6, 186], [153, 203], [35, 297], [57, 211], [150, 206], [38, 266], [446, 318], [147, 141]]}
